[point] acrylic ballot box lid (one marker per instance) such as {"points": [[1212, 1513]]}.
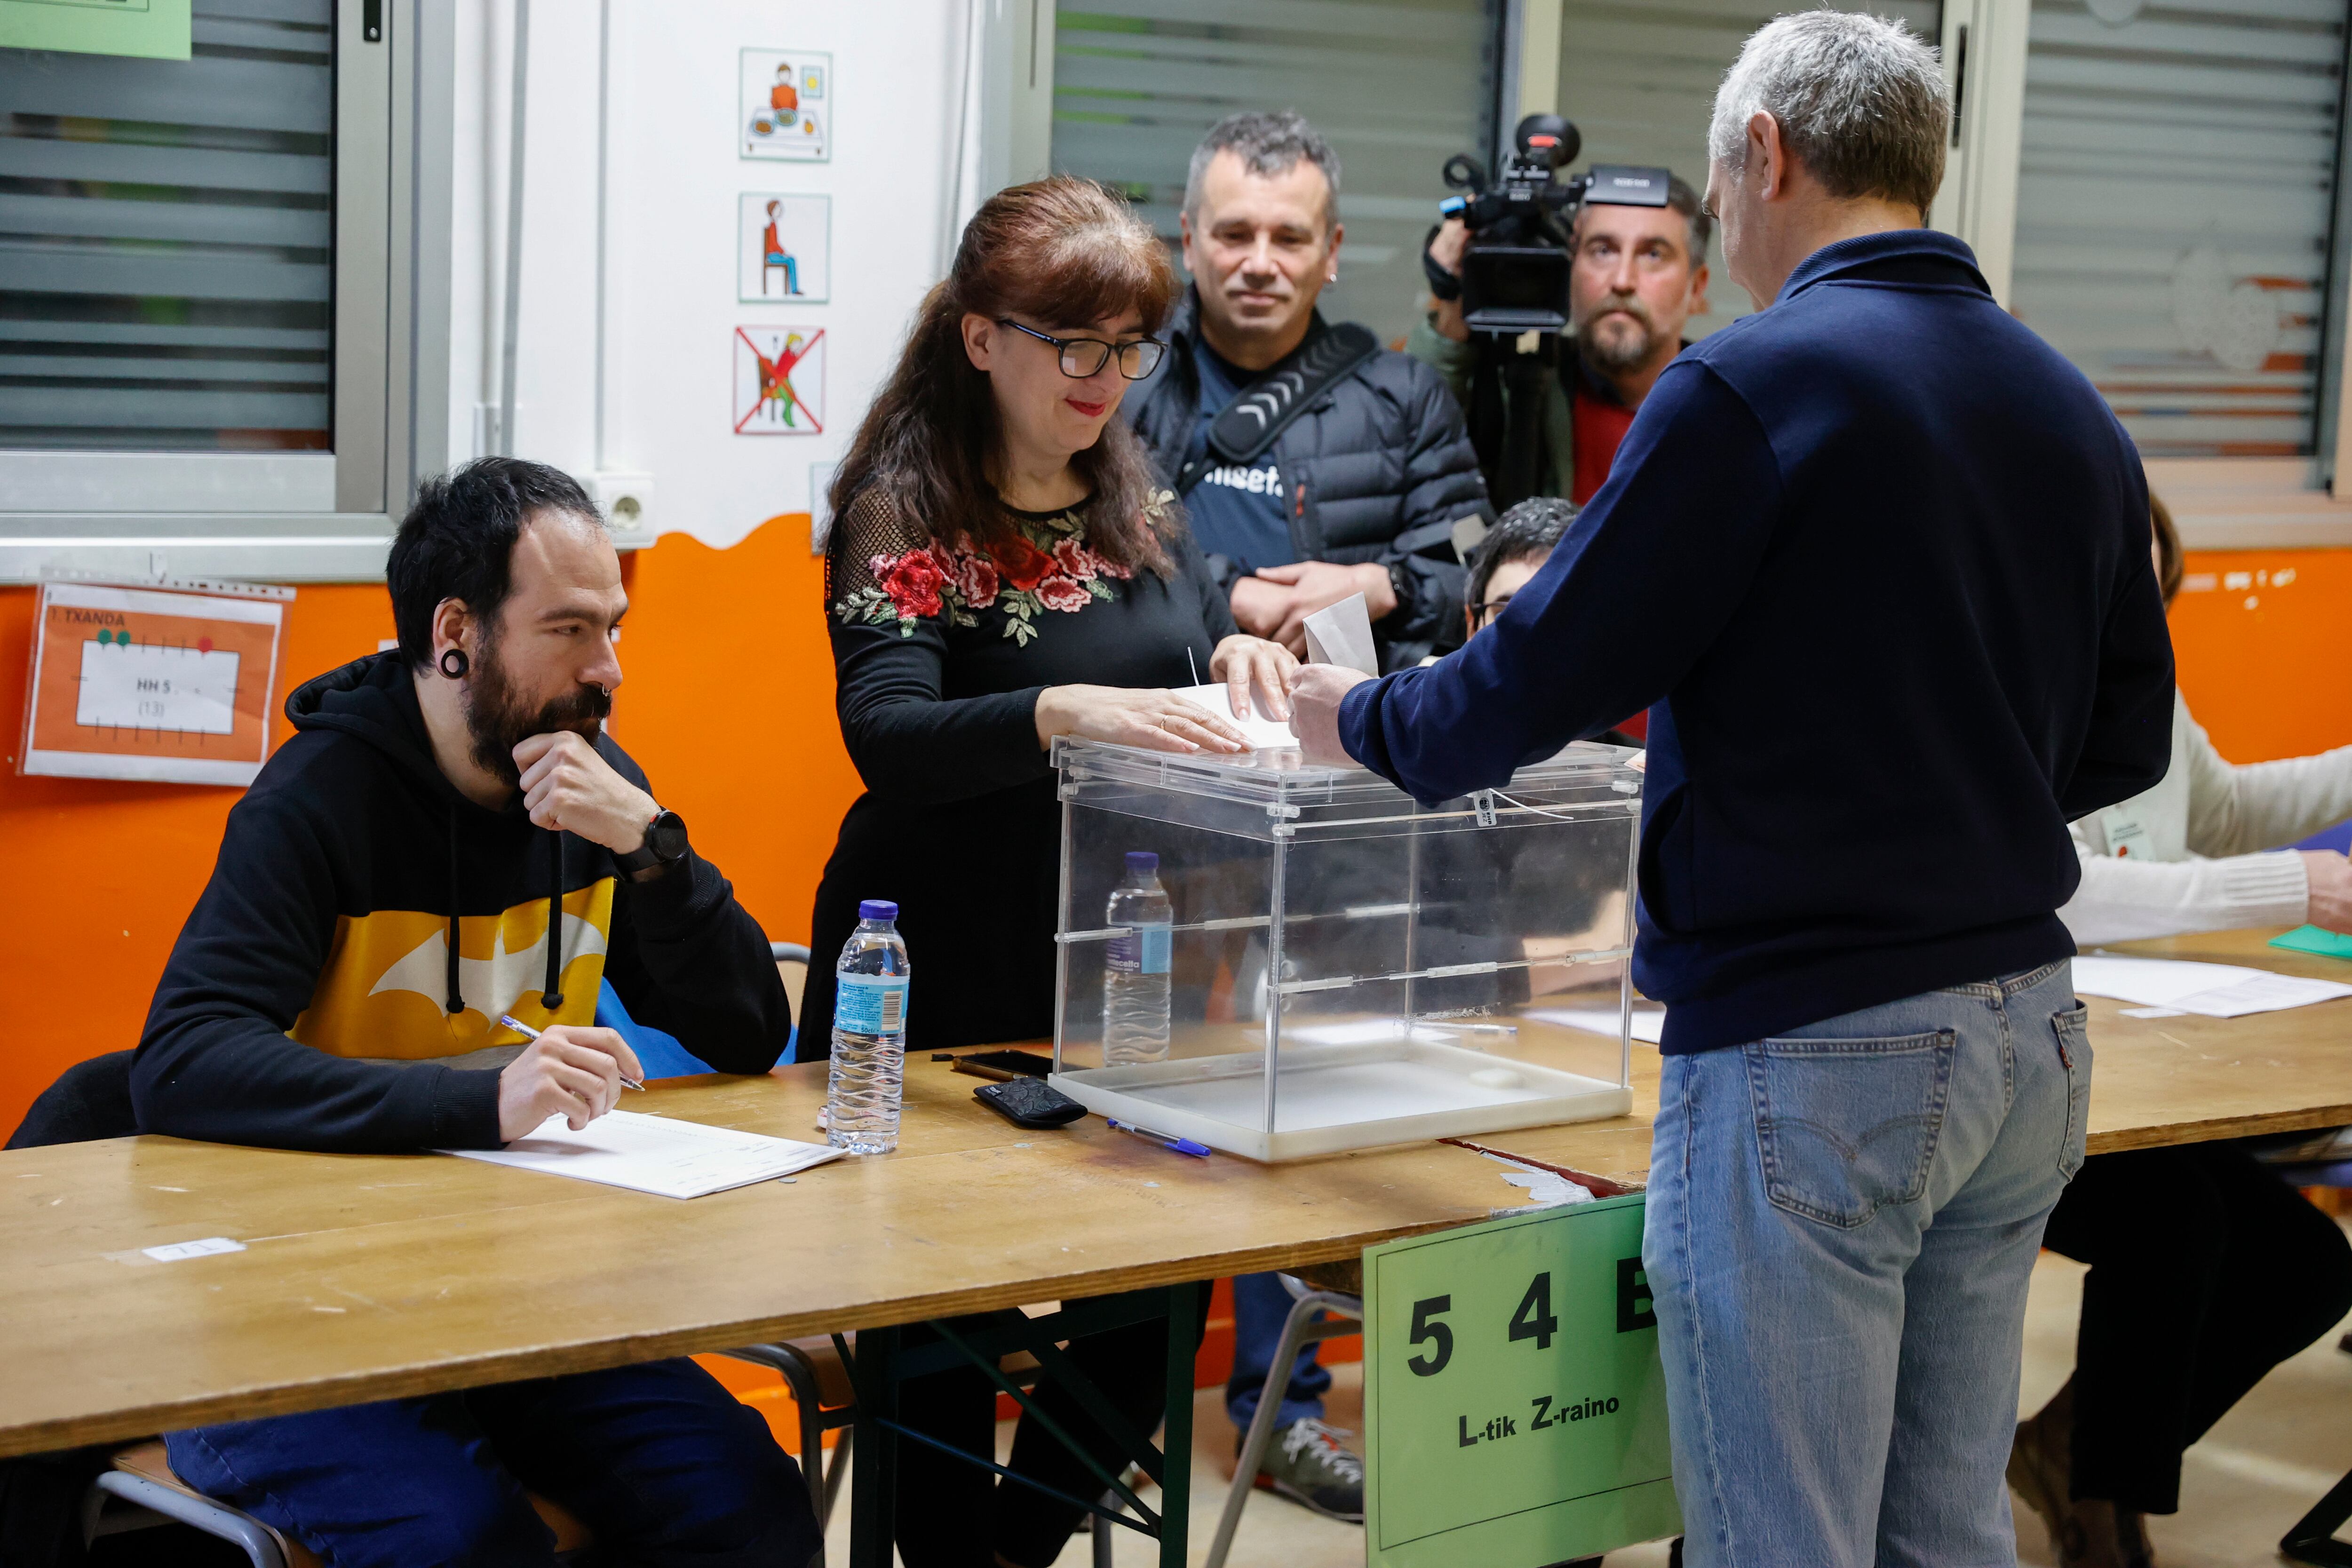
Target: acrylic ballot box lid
{"points": [[1348, 966]]}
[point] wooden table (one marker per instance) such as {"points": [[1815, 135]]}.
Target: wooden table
{"points": [[369, 1277]]}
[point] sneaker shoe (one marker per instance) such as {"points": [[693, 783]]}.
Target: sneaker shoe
{"points": [[1306, 1463]]}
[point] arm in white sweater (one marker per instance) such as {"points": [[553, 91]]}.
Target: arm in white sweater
{"points": [[2123, 900], [2235, 809]]}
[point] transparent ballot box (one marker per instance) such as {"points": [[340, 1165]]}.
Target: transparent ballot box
{"points": [[1326, 963]]}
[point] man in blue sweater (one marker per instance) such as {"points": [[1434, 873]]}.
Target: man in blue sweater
{"points": [[1881, 497]]}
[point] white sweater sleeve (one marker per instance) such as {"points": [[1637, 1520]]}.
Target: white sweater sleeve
{"points": [[2124, 900], [2237, 808]]}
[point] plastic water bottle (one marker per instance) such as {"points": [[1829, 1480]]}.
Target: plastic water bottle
{"points": [[1135, 976], [868, 1068]]}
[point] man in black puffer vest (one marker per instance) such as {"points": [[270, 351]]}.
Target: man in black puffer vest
{"points": [[1367, 487]]}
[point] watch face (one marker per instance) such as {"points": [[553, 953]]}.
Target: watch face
{"points": [[665, 836]]}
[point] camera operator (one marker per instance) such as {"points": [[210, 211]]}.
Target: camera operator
{"points": [[1362, 487], [1639, 273]]}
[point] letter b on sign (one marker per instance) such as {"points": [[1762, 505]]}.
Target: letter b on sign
{"points": [[1634, 1308]]}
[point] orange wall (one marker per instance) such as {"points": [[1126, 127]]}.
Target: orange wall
{"points": [[728, 704], [2263, 665]]}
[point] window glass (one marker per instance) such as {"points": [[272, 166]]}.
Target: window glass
{"points": [[166, 239], [2174, 194], [1396, 89]]}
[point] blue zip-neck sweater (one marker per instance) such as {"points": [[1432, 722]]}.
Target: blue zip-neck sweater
{"points": [[1882, 502]]}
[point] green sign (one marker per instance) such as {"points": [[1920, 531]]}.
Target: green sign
{"points": [[1514, 1406], [153, 30]]}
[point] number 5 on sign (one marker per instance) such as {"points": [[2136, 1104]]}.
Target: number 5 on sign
{"points": [[1515, 1408]]}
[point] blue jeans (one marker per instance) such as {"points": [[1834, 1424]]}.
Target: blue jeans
{"points": [[658, 1460], [1260, 1304], [1842, 1224]]}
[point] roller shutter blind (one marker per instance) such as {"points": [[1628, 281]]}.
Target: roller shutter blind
{"points": [[1395, 87], [166, 239], [2174, 200]]}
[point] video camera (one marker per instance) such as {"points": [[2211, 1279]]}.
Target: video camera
{"points": [[1515, 266]]}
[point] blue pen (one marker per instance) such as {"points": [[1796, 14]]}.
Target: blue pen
{"points": [[528, 1032], [1181, 1145]]}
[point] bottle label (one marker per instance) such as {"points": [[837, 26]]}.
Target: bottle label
{"points": [[870, 1004], [1141, 950]]}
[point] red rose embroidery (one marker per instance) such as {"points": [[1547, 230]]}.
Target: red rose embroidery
{"points": [[1063, 594], [975, 580], [1023, 564], [1076, 559], [913, 585], [1110, 568]]}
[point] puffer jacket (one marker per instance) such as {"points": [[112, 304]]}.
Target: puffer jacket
{"points": [[1378, 468]]}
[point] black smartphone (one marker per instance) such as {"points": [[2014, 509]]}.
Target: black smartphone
{"points": [[1026, 1103], [1004, 1064]]}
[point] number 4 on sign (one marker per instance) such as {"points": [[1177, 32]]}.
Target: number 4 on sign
{"points": [[1534, 1319]]}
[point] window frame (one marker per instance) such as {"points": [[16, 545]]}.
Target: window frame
{"points": [[2219, 504], [298, 516]]}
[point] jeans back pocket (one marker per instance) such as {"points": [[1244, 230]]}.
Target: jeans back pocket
{"points": [[1848, 1127], [2073, 1031]]}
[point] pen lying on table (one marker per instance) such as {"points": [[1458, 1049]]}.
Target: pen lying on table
{"points": [[528, 1032], [1180, 1145]]}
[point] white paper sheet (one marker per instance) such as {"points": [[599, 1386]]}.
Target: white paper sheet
{"points": [[1262, 732], [2213, 989], [1342, 634], [657, 1154], [1649, 1026]]}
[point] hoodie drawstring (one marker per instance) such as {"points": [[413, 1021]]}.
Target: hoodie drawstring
{"points": [[457, 994], [552, 998]]}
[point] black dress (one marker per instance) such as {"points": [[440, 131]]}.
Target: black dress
{"points": [[938, 659]]}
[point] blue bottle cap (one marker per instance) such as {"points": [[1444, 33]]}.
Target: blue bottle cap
{"points": [[1142, 860], [877, 910]]}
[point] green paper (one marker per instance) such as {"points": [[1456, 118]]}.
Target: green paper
{"points": [[151, 29], [1528, 1423], [2315, 939]]}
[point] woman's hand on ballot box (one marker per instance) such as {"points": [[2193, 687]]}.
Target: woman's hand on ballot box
{"points": [[1244, 662]]}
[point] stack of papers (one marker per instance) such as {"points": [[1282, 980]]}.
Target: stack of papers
{"points": [[657, 1154], [2213, 989], [1262, 732]]}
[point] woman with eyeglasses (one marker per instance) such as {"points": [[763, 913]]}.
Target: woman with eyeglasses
{"points": [[1003, 569]]}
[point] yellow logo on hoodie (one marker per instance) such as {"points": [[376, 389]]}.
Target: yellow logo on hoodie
{"points": [[385, 986]]}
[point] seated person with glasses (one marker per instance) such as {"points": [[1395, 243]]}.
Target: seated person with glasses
{"points": [[449, 840], [1513, 550]]}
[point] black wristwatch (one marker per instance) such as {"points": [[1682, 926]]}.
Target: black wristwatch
{"points": [[665, 845]]}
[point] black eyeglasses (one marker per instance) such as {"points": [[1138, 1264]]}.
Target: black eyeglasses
{"points": [[1083, 357], [1486, 612]]}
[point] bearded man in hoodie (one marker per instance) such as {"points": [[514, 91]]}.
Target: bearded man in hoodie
{"points": [[448, 839]]}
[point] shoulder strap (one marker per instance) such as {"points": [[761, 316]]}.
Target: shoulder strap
{"points": [[1246, 426]]}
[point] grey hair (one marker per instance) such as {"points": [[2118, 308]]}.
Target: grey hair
{"points": [[1269, 143], [1861, 102]]}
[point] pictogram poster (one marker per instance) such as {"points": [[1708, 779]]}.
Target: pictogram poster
{"points": [[152, 683], [779, 381], [785, 110]]}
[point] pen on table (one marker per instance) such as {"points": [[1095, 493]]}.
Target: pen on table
{"points": [[1181, 1145], [528, 1032]]}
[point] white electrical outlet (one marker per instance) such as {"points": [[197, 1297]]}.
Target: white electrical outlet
{"points": [[625, 501]]}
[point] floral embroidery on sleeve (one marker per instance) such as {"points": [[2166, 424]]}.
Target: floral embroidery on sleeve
{"points": [[1047, 566]]}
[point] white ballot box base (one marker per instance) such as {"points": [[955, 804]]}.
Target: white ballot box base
{"points": [[1332, 1097]]}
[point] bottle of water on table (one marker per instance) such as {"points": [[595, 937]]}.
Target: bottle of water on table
{"points": [[869, 1035], [1135, 973]]}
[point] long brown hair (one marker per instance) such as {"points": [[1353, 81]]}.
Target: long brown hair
{"points": [[1058, 250], [2171, 564]]}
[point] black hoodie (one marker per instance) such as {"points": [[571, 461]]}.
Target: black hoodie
{"points": [[308, 1001]]}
